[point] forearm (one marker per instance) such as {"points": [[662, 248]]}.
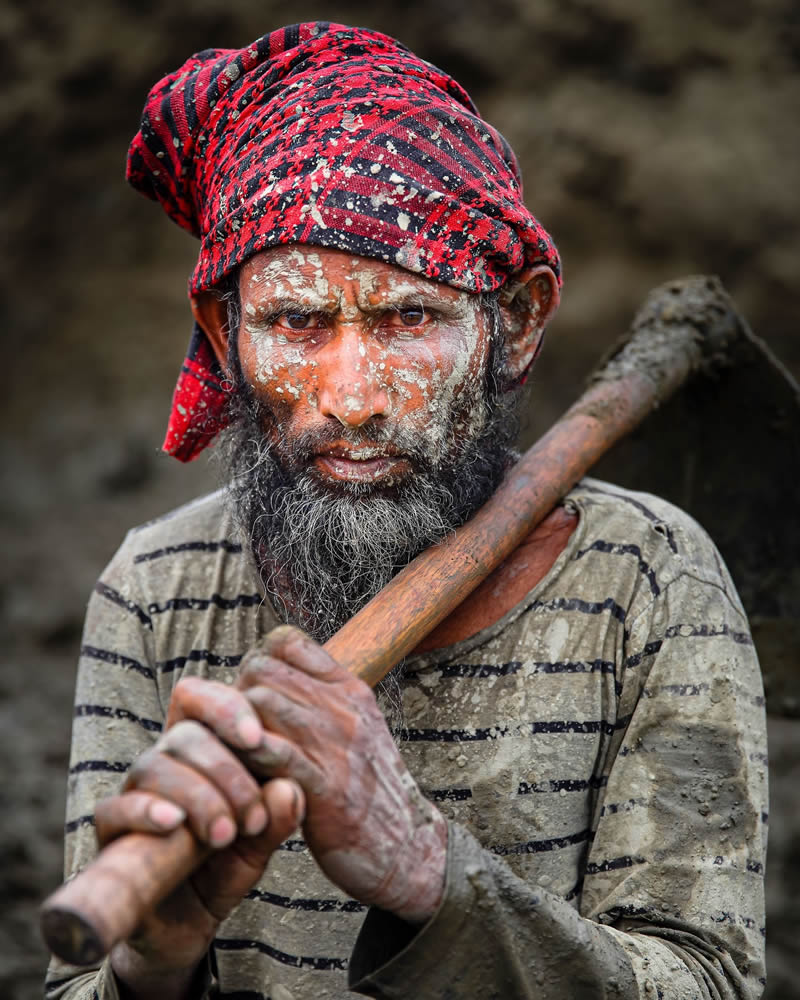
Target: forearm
{"points": [[494, 935]]}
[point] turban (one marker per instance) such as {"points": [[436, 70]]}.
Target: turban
{"points": [[331, 136]]}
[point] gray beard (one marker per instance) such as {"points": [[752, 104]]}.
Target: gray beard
{"points": [[324, 551], [332, 552]]}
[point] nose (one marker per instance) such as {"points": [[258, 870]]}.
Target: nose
{"points": [[351, 389]]}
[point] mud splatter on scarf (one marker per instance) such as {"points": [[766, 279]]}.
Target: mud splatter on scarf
{"points": [[331, 136]]}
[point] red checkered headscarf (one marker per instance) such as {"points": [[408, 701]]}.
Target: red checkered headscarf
{"points": [[332, 136]]}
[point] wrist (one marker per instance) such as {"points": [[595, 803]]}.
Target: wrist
{"points": [[414, 889], [140, 977]]}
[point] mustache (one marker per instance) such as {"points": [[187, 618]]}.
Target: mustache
{"points": [[296, 449], [389, 440]]}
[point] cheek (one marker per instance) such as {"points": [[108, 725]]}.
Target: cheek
{"points": [[279, 372], [435, 377], [408, 377]]}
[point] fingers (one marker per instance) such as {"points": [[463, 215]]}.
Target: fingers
{"points": [[192, 769], [230, 874], [280, 757], [285, 803], [218, 706], [279, 712], [292, 646], [194, 745], [135, 812]]}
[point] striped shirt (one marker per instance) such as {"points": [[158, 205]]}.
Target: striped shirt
{"points": [[599, 752]]}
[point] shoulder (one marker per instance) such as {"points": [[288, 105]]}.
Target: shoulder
{"points": [[178, 546], [664, 538], [202, 521]]}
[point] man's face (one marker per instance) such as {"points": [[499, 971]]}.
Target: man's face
{"points": [[357, 356], [368, 423]]}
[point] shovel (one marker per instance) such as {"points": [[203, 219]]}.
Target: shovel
{"points": [[728, 451]]}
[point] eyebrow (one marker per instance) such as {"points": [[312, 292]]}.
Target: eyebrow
{"points": [[272, 307], [275, 306]]}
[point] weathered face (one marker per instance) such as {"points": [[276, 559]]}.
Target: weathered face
{"points": [[368, 419], [329, 340]]}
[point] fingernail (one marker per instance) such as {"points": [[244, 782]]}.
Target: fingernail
{"points": [[166, 814], [221, 832], [249, 731], [283, 632], [256, 820]]}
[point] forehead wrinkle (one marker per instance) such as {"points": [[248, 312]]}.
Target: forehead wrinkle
{"points": [[403, 286], [409, 299], [301, 270]]}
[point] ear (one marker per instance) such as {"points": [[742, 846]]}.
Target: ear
{"points": [[527, 304], [211, 315]]}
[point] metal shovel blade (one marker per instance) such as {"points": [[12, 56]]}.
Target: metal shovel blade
{"points": [[726, 449]]}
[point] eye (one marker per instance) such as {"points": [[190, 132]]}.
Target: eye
{"points": [[296, 320], [408, 317], [414, 316]]}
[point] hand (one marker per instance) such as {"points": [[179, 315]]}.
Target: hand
{"points": [[369, 827], [192, 775]]}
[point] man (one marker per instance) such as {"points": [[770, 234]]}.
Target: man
{"points": [[568, 797]]}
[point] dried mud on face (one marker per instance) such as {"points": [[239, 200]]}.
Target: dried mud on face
{"points": [[655, 140]]}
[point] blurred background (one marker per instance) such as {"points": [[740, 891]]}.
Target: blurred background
{"points": [[656, 140]]}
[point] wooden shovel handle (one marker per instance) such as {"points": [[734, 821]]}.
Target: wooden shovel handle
{"points": [[679, 328]]}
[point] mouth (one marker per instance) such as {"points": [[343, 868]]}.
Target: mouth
{"points": [[366, 464]]}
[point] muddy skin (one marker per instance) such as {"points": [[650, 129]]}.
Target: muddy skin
{"points": [[295, 281]]}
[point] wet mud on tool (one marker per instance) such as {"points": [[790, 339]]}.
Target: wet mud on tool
{"points": [[726, 449], [722, 439]]}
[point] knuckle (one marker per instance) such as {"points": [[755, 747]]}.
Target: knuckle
{"points": [[259, 695], [183, 733], [203, 799], [144, 764], [233, 780], [283, 633], [256, 665], [290, 637], [242, 794], [301, 644], [282, 752], [274, 753], [115, 814], [185, 688]]}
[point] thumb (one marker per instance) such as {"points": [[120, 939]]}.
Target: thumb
{"points": [[230, 873], [285, 801], [286, 808]]}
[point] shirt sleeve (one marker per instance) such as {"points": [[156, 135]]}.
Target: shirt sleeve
{"points": [[118, 714], [671, 906]]}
